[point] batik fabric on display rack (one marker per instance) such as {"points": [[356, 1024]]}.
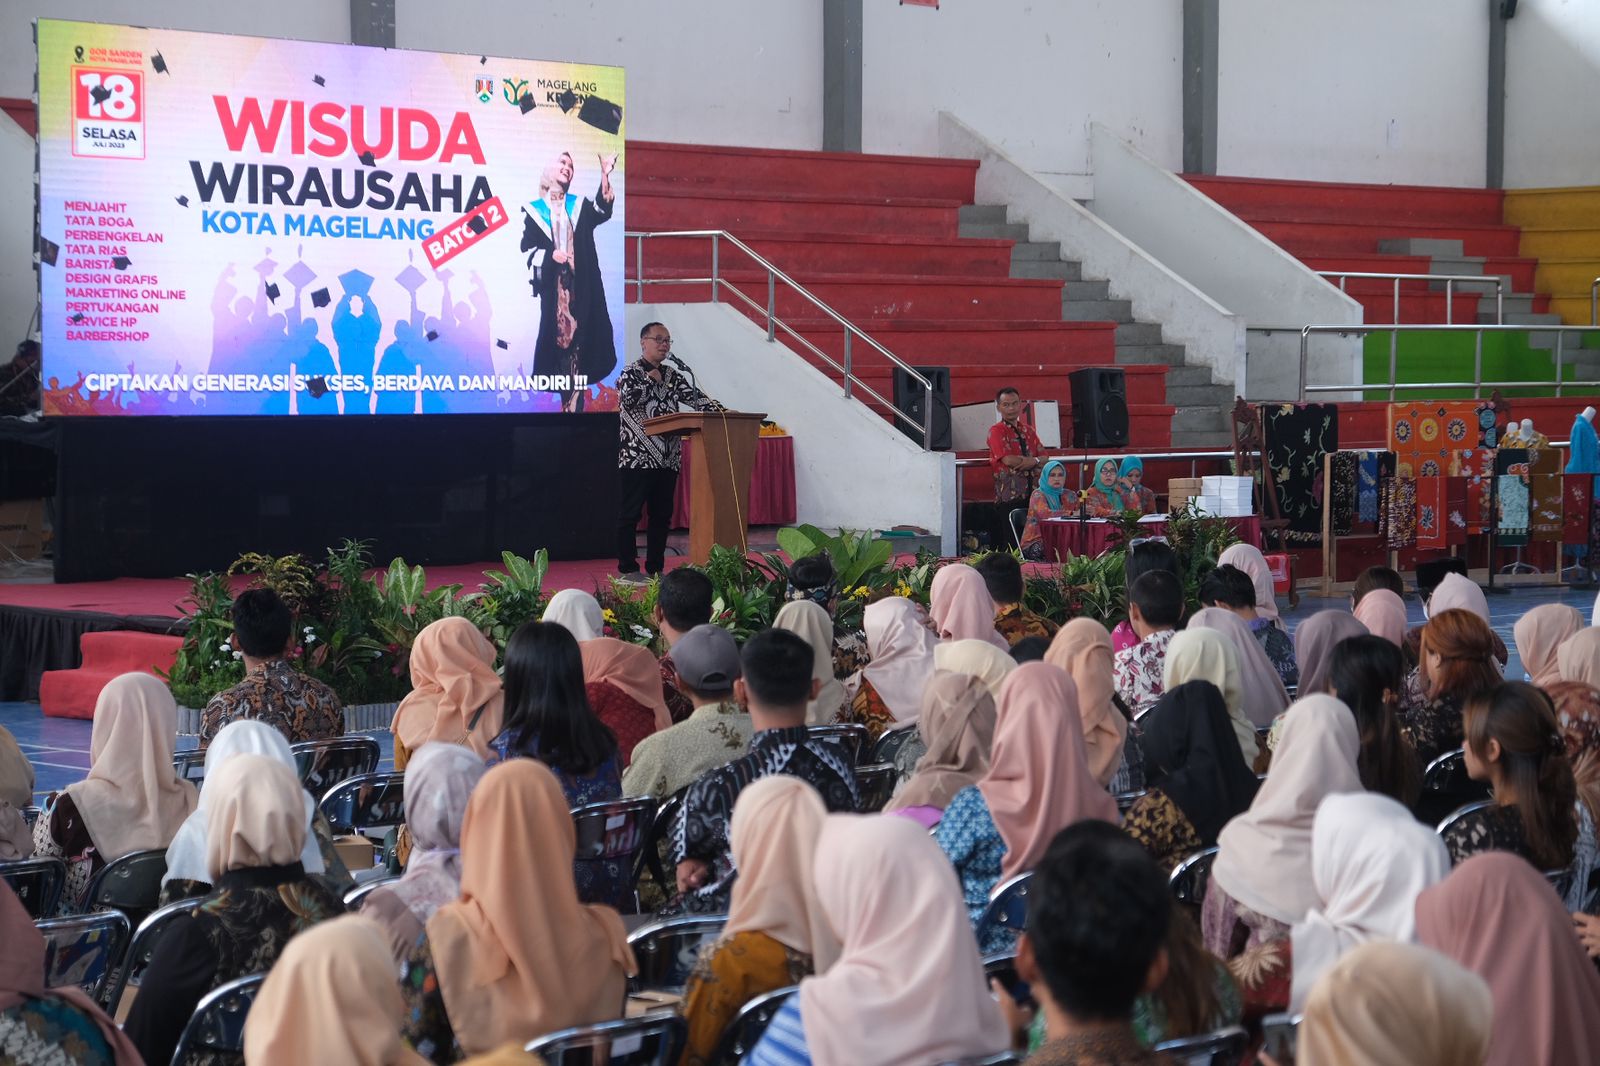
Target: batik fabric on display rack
{"points": [[1512, 502], [1452, 438], [1430, 513], [1455, 511], [1577, 493], [1346, 473], [1297, 437], [1400, 512], [1544, 488]]}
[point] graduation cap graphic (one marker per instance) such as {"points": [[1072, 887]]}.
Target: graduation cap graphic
{"points": [[183, 201], [159, 62], [477, 224], [320, 298], [121, 262], [272, 292], [356, 282], [319, 79], [526, 103], [603, 115], [368, 159]]}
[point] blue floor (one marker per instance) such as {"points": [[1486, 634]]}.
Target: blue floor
{"points": [[59, 747]]}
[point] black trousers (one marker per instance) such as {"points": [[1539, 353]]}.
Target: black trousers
{"points": [[643, 490]]}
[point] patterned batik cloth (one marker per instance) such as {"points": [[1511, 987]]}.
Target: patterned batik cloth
{"points": [[1512, 502], [1346, 477], [1577, 491], [1401, 524], [1544, 487], [1455, 510], [1297, 437], [1367, 486], [1430, 514]]}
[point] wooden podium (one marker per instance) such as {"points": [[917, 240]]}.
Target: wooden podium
{"points": [[720, 463]]}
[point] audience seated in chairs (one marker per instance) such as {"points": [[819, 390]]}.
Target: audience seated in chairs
{"points": [[888, 690], [1002, 575], [300, 707], [1456, 664], [1388, 1002], [1038, 783], [975, 658], [623, 684], [517, 955], [1142, 558], [1083, 650], [776, 932], [1207, 655], [1495, 915], [908, 985], [684, 598], [1228, 588], [1383, 612], [1367, 674], [959, 606], [776, 684], [1155, 604], [1098, 915], [16, 794], [1248, 558], [188, 871], [331, 997], [957, 724], [812, 624], [255, 835], [811, 577], [705, 664], [439, 783], [131, 800], [1264, 696], [455, 694], [39, 1024]]}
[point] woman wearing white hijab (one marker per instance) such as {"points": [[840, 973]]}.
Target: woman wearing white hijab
{"points": [[812, 624], [1264, 695], [187, 874], [975, 658], [888, 690], [578, 612], [1207, 655], [1370, 859]]}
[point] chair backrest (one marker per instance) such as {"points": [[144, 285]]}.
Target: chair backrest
{"points": [[31, 815], [191, 766], [660, 829], [1280, 1033], [353, 898], [853, 735], [84, 950], [667, 950], [744, 1032], [1018, 521], [1008, 907], [1127, 799], [37, 883], [999, 1058], [875, 784], [324, 763], [217, 1025], [1190, 877], [613, 830], [888, 746], [131, 884], [366, 802], [1446, 771], [1461, 812], [654, 1039], [145, 938], [1225, 1047]]}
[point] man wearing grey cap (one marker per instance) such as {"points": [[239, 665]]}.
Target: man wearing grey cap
{"points": [[706, 662]]}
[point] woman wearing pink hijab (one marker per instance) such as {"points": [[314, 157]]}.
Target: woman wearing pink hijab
{"points": [[1539, 634], [1264, 695], [961, 608], [1384, 615], [1037, 784], [1083, 649], [1248, 557]]}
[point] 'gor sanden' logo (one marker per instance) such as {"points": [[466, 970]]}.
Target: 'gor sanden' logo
{"points": [[483, 88]]}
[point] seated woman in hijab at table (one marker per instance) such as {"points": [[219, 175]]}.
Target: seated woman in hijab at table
{"points": [[48, 1025], [1498, 917], [960, 607], [1136, 495], [517, 955], [455, 694], [1038, 782], [1195, 776], [255, 834], [16, 795], [1050, 499], [908, 985], [131, 800], [776, 933], [1394, 1004], [957, 726], [330, 998], [623, 684], [1103, 497], [1262, 882], [888, 690], [439, 782], [188, 870], [1370, 859]]}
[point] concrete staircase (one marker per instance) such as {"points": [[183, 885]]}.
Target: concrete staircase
{"points": [[1200, 420], [1450, 257]]}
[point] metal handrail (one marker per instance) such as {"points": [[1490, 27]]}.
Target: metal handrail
{"points": [[1477, 384], [1594, 302], [1450, 282], [774, 323]]}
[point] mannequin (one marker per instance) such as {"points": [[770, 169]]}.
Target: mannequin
{"points": [[1584, 452]]}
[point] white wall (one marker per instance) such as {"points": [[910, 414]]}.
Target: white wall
{"points": [[707, 72], [1358, 90], [307, 20], [1553, 94], [19, 286], [852, 470], [1030, 74]]}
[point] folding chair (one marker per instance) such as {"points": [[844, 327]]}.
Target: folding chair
{"points": [[654, 1039], [650, 855], [1190, 877], [217, 1025], [1225, 1047], [365, 803], [84, 950], [37, 883], [853, 735], [1461, 812], [324, 763], [744, 1032], [130, 884], [137, 957], [614, 831], [667, 950], [875, 783], [191, 766], [1008, 907], [888, 746], [353, 898]]}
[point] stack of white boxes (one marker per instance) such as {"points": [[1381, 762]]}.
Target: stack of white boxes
{"points": [[1228, 497]]}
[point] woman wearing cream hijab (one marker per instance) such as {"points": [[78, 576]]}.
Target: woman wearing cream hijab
{"points": [[957, 732], [975, 658], [330, 998], [578, 612], [1539, 635], [1207, 655], [1384, 615], [1083, 649], [811, 623], [16, 793], [517, 956], [776, 932], [455, 694]]}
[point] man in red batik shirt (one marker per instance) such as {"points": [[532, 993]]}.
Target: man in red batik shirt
{"points": [[1015, 456]]}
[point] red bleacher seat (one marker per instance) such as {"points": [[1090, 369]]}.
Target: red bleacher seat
{"points": [[72, 693]]}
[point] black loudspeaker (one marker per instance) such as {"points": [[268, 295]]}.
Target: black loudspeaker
{"points": [[908, 398], [1099, 408]]}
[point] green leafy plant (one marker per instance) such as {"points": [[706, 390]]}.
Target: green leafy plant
{"points": [[206, 663], [516, 594], [857, 557]]}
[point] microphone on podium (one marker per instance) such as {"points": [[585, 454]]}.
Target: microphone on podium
{"points": [[687, 369]]}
